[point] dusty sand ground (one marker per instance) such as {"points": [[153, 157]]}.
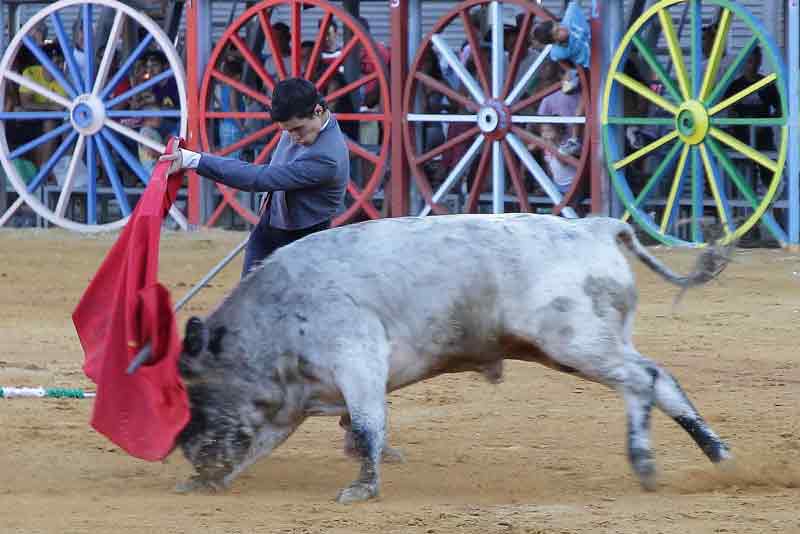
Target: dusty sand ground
{"points": [[542, 453]]}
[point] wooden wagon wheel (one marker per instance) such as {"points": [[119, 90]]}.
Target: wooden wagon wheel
{"points": [[307, 20], [696, 145], [89, 112], [495, 106]]}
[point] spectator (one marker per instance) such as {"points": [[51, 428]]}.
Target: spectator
{"points": [[452, 156], [330, 43], [306, 47], [561, 173], [31, 101], [760, 104], [230, 130], [283, 40], [343, 104], [150, 130], [371, 90], [165, 92], [25, 57], [571, 40]]}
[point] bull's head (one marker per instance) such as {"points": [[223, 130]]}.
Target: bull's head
{"points": [[238, 411]]}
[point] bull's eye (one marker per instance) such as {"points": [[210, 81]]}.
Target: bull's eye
{"points": [[267, 408]]}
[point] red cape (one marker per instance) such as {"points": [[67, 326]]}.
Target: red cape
{"points": [[124, 308]]}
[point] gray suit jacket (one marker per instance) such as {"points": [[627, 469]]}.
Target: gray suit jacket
{"points": [[308, 183]]}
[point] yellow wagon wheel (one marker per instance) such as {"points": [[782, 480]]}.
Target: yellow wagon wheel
{"points": [[699, 121]]}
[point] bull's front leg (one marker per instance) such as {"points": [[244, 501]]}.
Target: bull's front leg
{"points": [[390, 455], [366, 403]]}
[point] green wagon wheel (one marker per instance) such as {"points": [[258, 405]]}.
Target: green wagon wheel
{"points": [[696, 155]]}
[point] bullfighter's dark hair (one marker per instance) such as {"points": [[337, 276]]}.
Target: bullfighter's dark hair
{"points": [[295, 98]]}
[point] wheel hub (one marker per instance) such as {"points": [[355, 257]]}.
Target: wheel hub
{"points": [[691, 122], [88, 114], [494, 119]]}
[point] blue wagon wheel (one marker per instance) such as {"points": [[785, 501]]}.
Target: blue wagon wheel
{"points": [[89, 117]]}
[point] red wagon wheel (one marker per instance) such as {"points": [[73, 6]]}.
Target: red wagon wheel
{"points": [[279, 39], [492, 120]]}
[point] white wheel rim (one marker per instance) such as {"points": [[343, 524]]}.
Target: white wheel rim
{"points": [[98, 127]]}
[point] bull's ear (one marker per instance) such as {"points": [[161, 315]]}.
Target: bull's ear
{"points": [[196, 337]]}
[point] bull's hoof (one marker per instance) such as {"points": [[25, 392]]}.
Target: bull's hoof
{"points": [[357, 492], [646, 472], [199, 485]]}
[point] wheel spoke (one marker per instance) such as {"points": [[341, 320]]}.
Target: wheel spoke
{"points": [[696, 176], [38, 89], [349, 88], [646, 92], [263, 115], [716, 56], [121, 113], [454, 175], [69, 179], [438, 86], [743, 187], [646, 150], [659, 173], [652, 61], [123, 70], [108, 54], [526, 77], [450, 143], [498, 179], [334, 66], [361, 117], [277, 57], [715, 183], [535, 97], [722, 86], [743, 93], [50, 67], [297, 31], [242, 88], [480, 177], [362, 152], [477, 55], [113, 176], [545, 119], [498, 51], [444, 117], [134, 135], [516, 179], [737, 145], [675, 52], [91, 185], [66, 48], [696, 52], [254, 62], [11, 210], [642, 121], [44, 170], [139, 88], [539, 175], [52, 134], [465, 77], [247, 140], [673, 192], [314, 57], [33, 115], [748, 121], [516, 56], [88, 44], [130, 160]]}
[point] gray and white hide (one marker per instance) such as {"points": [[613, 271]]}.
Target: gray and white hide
{"points": [[332, 323]]}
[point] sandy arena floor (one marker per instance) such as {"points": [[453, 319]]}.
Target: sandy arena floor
{"points": [[542, 453]]}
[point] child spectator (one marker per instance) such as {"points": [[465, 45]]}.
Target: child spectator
{"points": [[571, 40], [150, 129]]}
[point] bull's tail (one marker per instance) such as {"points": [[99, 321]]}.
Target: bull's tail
{"points": [[709, 264]]}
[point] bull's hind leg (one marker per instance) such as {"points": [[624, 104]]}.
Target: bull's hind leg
{"points": [[646, 383]]}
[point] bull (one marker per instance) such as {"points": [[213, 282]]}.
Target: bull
{"points": [[329, 325]]}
